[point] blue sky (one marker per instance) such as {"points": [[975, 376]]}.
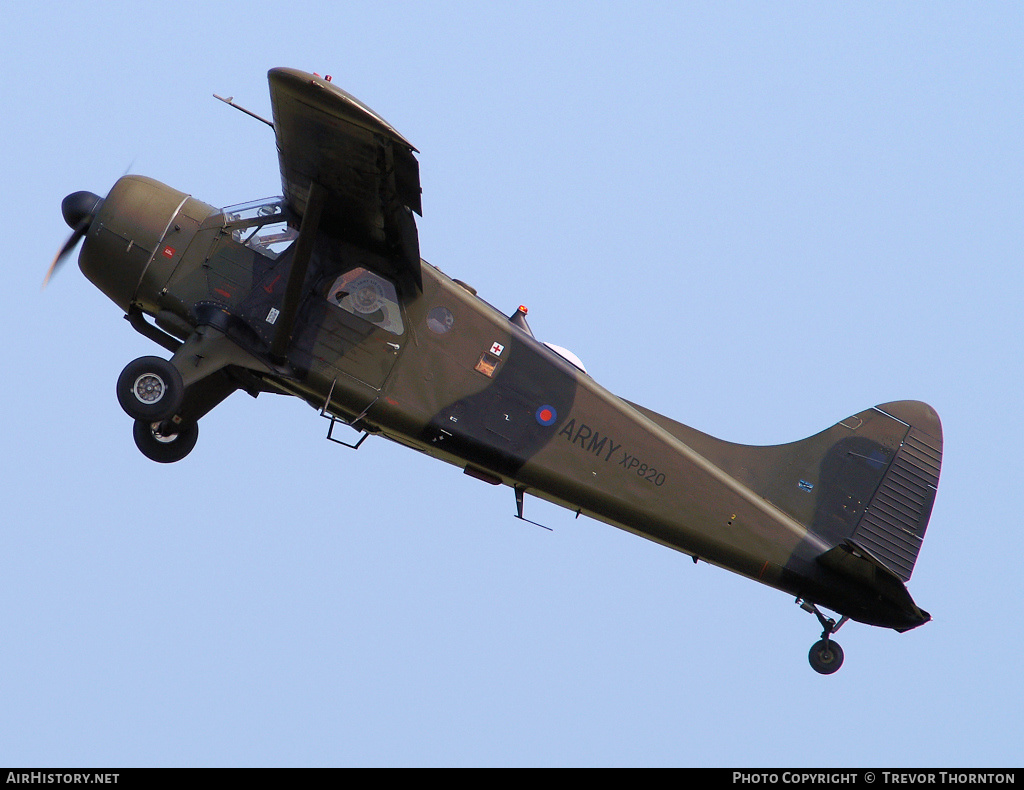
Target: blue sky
{"points": [[754, 218]]}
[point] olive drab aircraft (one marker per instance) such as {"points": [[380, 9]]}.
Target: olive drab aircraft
{"points": [[322, 294]]}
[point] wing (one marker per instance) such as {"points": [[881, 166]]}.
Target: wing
{"points": [[367, 169]]}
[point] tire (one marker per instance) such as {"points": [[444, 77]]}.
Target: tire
{"points": [[165, 448], [150, 389], [826, 656]]}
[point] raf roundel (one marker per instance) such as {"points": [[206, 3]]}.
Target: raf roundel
{"points": [[546, 415]]}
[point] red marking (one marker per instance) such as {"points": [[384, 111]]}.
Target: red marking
{"points": [[390, 400], [546, 415], [270, 288], [168, 252], [223, 293]]}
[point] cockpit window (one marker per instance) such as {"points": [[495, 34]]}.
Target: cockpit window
{"points": [[254, 209], [261, 225], [368, 296]]}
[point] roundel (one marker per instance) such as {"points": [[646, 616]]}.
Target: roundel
{"points": [[546, 415]]}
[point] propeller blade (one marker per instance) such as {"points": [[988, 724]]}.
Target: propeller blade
{"points": [[69, 245]]}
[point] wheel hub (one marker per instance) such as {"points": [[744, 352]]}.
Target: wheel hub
{"points": [[149, 388]]}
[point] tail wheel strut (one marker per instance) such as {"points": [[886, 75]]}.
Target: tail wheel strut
{"points": [[825, 656]]}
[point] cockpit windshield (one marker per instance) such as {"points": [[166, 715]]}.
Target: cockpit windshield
{"points": [[261, 225]]}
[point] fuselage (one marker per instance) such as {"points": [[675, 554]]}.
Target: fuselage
{"points": [[429, 364]]}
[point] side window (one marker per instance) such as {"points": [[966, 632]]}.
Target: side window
{"points": [[273, 239], [368, 296]]}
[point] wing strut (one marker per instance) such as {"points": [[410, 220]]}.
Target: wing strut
{"points": [[297, 275]]}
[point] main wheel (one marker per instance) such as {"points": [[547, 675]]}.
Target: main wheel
{"points": [[826, 656], [165, 448], [150, 389]]}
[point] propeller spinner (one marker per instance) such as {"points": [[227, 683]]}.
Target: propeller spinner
{"points": [[79, 209]]}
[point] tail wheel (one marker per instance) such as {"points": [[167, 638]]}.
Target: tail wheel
{"points": [[826, 656], [165, 442], [150, 389]]}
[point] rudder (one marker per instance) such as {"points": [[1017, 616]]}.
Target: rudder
{"points": [[893, 525]]}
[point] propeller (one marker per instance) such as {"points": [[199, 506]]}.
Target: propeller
{"points": [[79, 210]]}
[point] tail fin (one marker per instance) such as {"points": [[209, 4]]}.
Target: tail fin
{"points": [[869, 480]]}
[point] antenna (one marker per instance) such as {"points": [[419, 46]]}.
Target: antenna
{"points": [[230, 100], [519, 509]]}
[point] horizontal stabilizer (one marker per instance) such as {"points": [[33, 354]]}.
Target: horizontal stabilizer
{"points": [[859, 565]]}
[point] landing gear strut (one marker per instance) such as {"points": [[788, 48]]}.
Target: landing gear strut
{"points": [[825, 656], [167, 398]]}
